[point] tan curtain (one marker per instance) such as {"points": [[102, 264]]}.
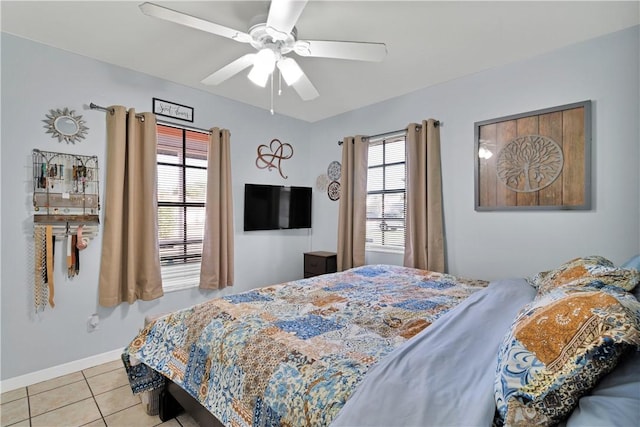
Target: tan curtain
{"points": [[424, 242], [216, 271], [130, 263], [353, 203]]}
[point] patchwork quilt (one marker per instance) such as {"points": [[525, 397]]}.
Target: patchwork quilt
{"points": [[291, 354]]}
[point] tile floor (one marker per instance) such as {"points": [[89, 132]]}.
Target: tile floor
{"points": [[98, 396]]}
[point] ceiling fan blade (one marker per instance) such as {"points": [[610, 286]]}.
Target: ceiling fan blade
{"points": [[230, 70], [305, 88], [167, 14], [283, 15], [359, 51]]}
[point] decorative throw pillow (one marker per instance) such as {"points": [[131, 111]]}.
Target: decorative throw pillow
{"points": [[594, 271], [634, 263], [557, 349], [614, 401]]}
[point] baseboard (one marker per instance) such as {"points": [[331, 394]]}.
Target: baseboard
{"points": [[56, 371]]}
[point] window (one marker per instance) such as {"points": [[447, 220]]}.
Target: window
{"points": [[386, 202], [182, 188]]}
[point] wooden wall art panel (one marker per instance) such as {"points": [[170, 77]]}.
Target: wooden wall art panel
{"points": [[535, 160]]}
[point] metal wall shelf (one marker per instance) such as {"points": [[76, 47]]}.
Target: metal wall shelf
{"points": [[66, 187]]}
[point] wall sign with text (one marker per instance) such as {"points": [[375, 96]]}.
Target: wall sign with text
{"points": [[173, 110]]}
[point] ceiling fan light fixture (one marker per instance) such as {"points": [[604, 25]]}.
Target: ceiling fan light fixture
{"points": [[291, 71], [265, 59], [263, 66], [259, 76]]}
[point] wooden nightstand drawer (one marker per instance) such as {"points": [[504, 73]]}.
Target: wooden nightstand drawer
{"points": [[321, 262]]}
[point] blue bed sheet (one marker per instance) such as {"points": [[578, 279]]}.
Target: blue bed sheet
{"points": [[445, 375]]}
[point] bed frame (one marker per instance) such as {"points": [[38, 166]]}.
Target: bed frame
{"points": [[174, 400]]}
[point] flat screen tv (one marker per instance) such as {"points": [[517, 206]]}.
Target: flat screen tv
{"points": [[276, 207]]}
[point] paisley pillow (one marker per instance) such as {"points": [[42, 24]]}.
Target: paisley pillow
{"points": [[615, 401], [559, 346], [633, 263], [594, 271]]}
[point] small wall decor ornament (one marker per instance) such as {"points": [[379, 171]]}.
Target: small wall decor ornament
{"points": [[333, 191], [322, 181], [65, 125], [334, 170], [271, 156]]}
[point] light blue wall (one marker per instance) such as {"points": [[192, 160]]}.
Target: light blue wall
{"points": [[36, 78], [490, 245]]}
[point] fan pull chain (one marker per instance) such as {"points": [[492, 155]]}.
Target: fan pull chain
{"points": [[271, 94], [279, 83]]}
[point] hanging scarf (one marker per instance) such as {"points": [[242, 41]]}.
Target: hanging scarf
{"points": [[49, 256], [40, 272]]}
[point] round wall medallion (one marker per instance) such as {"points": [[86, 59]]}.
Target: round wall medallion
{"points": [[322, 181], [334, 190], [529, 163], [334, 170]]}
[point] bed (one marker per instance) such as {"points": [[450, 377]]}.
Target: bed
{"points": [[387, 345]]}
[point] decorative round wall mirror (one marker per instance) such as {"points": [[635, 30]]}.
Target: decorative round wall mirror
{"points": [[65, 125]]}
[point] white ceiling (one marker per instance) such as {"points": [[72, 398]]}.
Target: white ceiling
{"points": [[428, 42]]}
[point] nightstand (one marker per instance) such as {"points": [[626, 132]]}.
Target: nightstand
{"points": [[320, 262]]}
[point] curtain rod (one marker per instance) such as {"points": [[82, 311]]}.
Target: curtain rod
{"points": [[162, 122], [378, 137]]}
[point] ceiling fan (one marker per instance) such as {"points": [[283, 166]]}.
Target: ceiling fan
{"points": [[273, 40]]}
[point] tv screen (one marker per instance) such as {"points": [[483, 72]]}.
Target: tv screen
{"points": [[276, 207]]}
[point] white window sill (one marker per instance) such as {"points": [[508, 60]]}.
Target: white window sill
{"points": [[180, 276], [168, 288], [385, 250]]}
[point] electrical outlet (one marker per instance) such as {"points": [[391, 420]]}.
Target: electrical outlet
{"points": [[93, 323]]}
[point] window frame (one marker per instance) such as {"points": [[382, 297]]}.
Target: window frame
{"points": [[387, 248], [182, 272]]}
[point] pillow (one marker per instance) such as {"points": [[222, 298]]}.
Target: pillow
{"points": [[587, 271], [634, 263], [615, 401], [559, 346]]}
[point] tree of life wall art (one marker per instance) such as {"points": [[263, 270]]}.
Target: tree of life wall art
{"points": [[535, 160]]}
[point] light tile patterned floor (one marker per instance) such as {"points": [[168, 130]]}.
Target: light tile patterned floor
{"points": [[98, 396]]}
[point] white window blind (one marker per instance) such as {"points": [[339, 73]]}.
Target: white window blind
{"points": [[386, 201], [182, 186]]}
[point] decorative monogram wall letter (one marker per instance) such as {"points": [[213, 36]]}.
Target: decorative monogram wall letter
{"points": [[271, 156]]}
